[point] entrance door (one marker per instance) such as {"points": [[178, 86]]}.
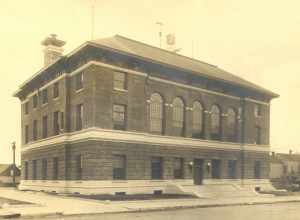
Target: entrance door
{"points": [[198, 171]]}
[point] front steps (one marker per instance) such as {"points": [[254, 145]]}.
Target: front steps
{"points": [[225, 190]]}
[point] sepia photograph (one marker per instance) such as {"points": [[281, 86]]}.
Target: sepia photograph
{"points": [[150, 110]]}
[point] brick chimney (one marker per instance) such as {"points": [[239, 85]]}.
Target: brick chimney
{"points": [[53, 49]]}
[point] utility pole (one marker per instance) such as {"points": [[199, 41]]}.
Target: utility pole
{"points": [[13, 171], [160, 33]]}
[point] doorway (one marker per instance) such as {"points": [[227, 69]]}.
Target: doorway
{"points": [[198, 171]]}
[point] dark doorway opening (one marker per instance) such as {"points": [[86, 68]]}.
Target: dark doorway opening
{"points": [[198, 171], [216, 169]]}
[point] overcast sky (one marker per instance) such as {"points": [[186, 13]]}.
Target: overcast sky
{"points": [[257, 40]]}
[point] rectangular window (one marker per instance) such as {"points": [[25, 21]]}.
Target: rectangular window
{"points": [[257, 135], [34, 130], [26, 108], [120, 80], [62, 120], [156, 168], [178, 168], [79, 167], [35, 101], [232, 169], [216, 169], [257, 110], [34, 169], [257, 168], [79, 116], [26, 134], [55, 168], [26, 170], [56, 90], [44, 96], [119, 117], [56, 123], [119, 167], [45, 126], [44, 169], [79, 81]]}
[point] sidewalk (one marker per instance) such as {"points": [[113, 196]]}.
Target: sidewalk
{"points": [[52, 204]]}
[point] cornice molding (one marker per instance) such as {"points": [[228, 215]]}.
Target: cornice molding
{"points": [[99, 134]]}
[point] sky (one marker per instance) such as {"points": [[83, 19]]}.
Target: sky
{"points": [[257, 40]]}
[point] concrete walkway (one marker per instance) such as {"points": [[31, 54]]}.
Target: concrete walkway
{"points": [[45, 204]]}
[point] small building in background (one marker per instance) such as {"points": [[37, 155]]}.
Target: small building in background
{"points": [[284, 165], [6, 177]]}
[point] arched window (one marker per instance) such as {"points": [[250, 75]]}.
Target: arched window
{"points": [[178, 113], [156, 113], [231, 124], [215, 124], [197, 120]]}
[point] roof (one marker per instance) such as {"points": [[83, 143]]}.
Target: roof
{"points": [[150, 53], [142, 50]]}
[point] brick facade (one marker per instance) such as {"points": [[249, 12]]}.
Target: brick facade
{"points": [[98, 96]]}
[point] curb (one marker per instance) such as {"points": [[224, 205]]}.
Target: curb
{"points": [[9, 215], [159, 209]]}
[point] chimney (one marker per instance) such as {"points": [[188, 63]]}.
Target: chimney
{"points": [[290, 152], [53, 49], [273, 154]]}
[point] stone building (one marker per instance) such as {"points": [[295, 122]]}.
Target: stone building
{"points": [[117, 115]]}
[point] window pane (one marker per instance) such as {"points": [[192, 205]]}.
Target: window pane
{"points": [[26, 134], [178, 168], [197, 119], [34, 130], [178, 113], [231, 124], [119, 116], [156, 113], [26, 108], [156, 168], [79, 81], [215, 123], [44, 169], [55, 168], [119, 167], [35, 101], [45, 126], [119, 80], [55, 90], [232, 169], [44, 96], [257, 168], [79, 167], [79, 116]]}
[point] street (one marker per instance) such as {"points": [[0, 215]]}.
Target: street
{"points": [[287, 211]]}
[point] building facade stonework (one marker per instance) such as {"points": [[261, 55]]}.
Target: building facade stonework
{"points": [[108, 118]]}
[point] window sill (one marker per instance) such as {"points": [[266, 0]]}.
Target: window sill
{"points": [[119, 181], [79, 90], [56, 98], [43, 105], [158, 181], [120, 90]]}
